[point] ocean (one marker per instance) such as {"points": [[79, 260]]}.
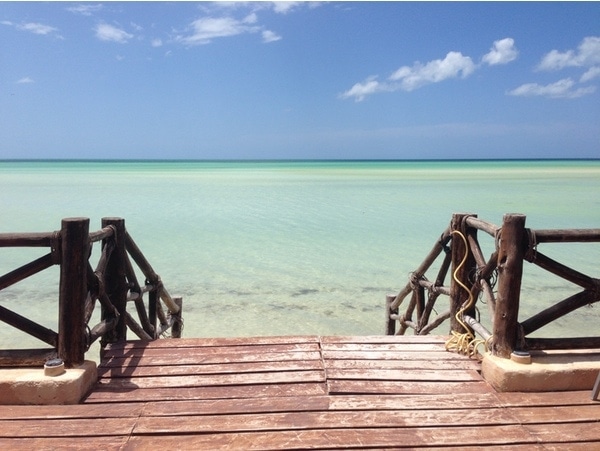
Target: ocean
{"points": [[295, 247]]}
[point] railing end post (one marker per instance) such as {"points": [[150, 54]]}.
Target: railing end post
{"points": [[72, 290], [390, 323], [511, 251]]}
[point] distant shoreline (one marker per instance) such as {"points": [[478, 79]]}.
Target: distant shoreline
{"points": [[284, 160]]}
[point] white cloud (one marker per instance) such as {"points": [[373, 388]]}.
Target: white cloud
{"points": [[502, 52], [220, 21], [590, 74], [205, 29], [285, 7], [250, 18], [279, 7], [106, 32], [156, 42], [37, 28], [361, 90], [85, 10], [564, 88], [25, 80], [455, 64], [270, 36], [587, 54]]}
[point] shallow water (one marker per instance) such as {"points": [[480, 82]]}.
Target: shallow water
{"points": [[270, 248]]}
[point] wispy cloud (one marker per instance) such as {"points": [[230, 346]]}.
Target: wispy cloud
{"points": [[35, 28], [564, 88], [25, 80], [107, 32], [285, 7], [225, 19], [590, 74], [370, 86], [587, 55], [85, 9], [136, 26], [282, 7], [453, 65], [270, 36], [205, 29]]}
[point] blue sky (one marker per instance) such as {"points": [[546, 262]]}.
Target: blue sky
{"points": [[331, 80]]}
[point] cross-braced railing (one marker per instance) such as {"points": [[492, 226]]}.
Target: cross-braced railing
{"points": [[497, 279], [113, 283]]}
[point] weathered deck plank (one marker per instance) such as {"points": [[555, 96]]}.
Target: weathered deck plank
{"points": [[67, 427], [109, 394], [91, 443], [299, 393], [211, 368], [343, 438], [287, 421], [206, 380], [194, 358]]}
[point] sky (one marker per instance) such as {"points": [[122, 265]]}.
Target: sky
{"points": [[299, 80]]}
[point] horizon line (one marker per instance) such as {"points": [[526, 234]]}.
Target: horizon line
{"points": [[289, 160]]}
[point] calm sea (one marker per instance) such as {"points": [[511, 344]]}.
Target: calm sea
{"points": [[272, 248]]}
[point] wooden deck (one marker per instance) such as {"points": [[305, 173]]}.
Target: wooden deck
{"points": [[300, 393]]}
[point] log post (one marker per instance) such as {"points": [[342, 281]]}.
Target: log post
{"points": [[458, 295], [115, 280], [177, 327], [420, 292], [75, 247], [390, 324], [512, 248], [153, 300]]}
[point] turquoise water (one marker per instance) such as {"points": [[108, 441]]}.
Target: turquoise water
{"points": [[270, 248]]}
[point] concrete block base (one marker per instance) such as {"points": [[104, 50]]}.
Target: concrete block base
{"points": [[548, 371], [32, 386]]}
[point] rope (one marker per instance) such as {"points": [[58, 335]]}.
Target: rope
{"points": [[465, 343]]}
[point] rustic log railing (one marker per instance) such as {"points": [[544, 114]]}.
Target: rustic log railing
{"points": [[113, 283], [497, 280]]}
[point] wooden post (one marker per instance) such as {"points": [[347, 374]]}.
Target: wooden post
{"points": [[420, 297], [153, 300], [72, 290], [390, 324], [115, 280], [177, 327], [511, 251], [458, 295]]}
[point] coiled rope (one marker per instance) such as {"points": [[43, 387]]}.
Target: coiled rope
{"points": [[464, 343]]}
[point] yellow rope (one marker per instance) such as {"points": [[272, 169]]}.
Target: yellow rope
{"points": [[464, 343]]}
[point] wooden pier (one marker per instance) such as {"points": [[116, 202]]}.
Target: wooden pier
{"points": [[305, 392], [300, 393]]}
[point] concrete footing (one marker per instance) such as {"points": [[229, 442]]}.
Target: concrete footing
{"points": [[548, 371], [33, 386]]}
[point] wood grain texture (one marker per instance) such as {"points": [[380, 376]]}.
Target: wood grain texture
{"points": [[300, 393]]}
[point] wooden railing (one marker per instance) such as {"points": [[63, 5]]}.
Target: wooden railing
{"points": [[498, 280], [113, 283]]}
